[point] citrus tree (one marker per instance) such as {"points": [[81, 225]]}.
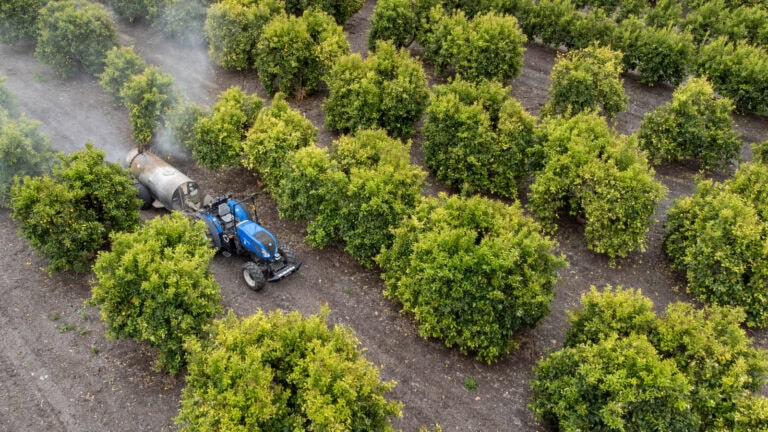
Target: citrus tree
{"points": [[340, 10], [717, 238], [586, 79], [595, 174], [694, 125], [24, 150], [395, 21], [74, 36], [277, 131], [18, 18], [387, 90], [218, 137], [624, 368], [120, 66], [472, 271], [67, 216], [9, 104], [155, 285], [477, 138], [148, 96], [281, 371]]}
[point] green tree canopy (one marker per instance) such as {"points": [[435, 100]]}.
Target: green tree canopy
{"points": [[148, 97], [67, 216], [281, 371], [18, 19], [155, 285], [120, 66]]}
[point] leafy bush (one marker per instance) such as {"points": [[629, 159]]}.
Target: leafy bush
{"points": [[155, 285], [340, 10], [24, 150], [182, 20], [717, 238], [181, 121], [737, 71], [148, 97], [233, 27], [278, 131], [68, 216], [387, 90], [282, 372], [690, 370], [476, 137], [472, 271], [9, 104], [658, 55], [218, 137], [695, 124], [131, 10], [74, 36], [395, 21], [18, 18], [120, 65], [552, 21], [490, 46], [591, 27], [592, 173], [293, 53], [747, 23], [586, 80], [664, 14]]}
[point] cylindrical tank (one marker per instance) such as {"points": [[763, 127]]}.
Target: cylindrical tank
{"points": [[167, 185]]}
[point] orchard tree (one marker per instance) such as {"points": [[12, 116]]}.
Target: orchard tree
{"points": [[218, 137], [387, 90], [340, 10], [74, 36], [18, 18], [181, 121], [395, 21], [155, 285], [473, 271], [477, 138], [586, 80], [148, 97], [551, 20], [717, 238], [68, 216], [490, 46], [9, 104], [24, 150], [624, 368], [232, 28], [281, 371], [277, 131], [131, 10], [293, 53], [599, 176], [120, 66], [182, 20], [737, 71], [694, 125]]}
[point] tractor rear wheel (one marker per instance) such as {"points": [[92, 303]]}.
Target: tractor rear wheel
{"points": [[253, 276]]}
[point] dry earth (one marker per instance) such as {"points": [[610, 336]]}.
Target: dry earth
{"points": [[59, 373]]}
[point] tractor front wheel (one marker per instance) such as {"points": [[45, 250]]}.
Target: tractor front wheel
{"points": [[253, 276]]}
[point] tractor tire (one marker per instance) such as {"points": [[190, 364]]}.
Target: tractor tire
{"points": [[287, 253], [144, 195], [212, 233], [254, 276]]}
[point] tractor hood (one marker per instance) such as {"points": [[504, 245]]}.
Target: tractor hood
{"points": [[257, 239]]}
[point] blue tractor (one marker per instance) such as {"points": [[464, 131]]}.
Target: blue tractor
{"points": [[234, 231]]}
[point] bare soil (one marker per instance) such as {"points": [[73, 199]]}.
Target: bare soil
{"points": [[59, 373]]}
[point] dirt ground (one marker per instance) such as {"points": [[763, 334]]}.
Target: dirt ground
{"points": [[59, 373]]}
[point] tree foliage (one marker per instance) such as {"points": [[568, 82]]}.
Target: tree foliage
{"points": [[340, 10], [277, 131], [148, 97], [387, 90], [9, 104], [624, 368], [737, 71], [120, 66], [233, 27], [591, 172], [24, 151], [74, 36], [587, 80], [18, 18], [155, 285], [131, 10], [218, 137], [395, 21], [472, 271], [293, 53], [694, 125], [280, 371], [477, 138], [489, 46], [717, 237], [67, 216]]}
